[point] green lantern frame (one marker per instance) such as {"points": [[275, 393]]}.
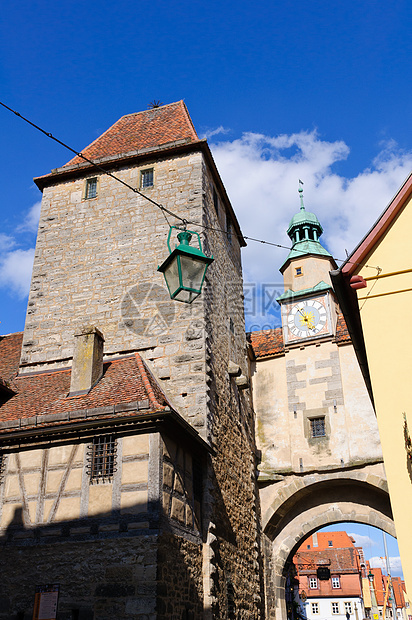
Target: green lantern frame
{"points": [[184, 270]]}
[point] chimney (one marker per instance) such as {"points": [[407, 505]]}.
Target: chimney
{"points": [[87, 365]]}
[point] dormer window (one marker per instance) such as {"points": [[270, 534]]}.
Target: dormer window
{"points": [[91, 188]]}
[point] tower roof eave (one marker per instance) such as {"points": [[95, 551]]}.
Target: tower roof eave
{"points": [[307, 247]]}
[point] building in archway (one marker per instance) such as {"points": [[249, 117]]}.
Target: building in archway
{"points": [[329, 570], [316, 430]]}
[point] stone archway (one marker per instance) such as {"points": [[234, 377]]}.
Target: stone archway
{"points": [[297, 508]]}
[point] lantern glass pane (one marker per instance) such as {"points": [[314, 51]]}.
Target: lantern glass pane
{"points": [[171, 274], [186, 296], [193, 271]]}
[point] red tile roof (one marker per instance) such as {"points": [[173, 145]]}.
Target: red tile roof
{"points": [[142, 130], [10, 348], [342, 560], [125, 380], [342, 333], [268, 342]]}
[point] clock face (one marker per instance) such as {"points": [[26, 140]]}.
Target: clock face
{"points": [[307, 318]]}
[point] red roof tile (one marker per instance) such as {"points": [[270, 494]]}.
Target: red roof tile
{"points": [[342, 333], [125, 380], [10, 348], [268, 342], [142, 130], [342, 560]]}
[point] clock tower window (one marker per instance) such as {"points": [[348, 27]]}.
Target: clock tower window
{"points": [[317, 427]]}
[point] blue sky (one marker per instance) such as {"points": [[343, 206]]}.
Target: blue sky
{"points": [[283, 90]]}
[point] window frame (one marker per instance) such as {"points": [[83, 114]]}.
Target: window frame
{"points": [[335, 608], [143, 173], [88, 183], [313, 580], [348, 607], [102, 453], [312, 608], [312, 425]]}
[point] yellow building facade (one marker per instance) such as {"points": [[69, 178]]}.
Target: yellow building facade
{"points": [[374, 288]]}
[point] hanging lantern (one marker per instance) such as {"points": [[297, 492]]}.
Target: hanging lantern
{"points": [[185, 269]]}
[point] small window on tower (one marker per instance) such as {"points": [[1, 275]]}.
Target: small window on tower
{"points": [[299, 271], [91, 188], [146, 178], [317, 427]]}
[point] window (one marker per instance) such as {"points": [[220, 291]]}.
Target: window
{"points": [[102, 458], [308, 546], [91, 188], [348, 608], [313, 582], [335, 582], [317, 427], [299, 271], [335, 608], [315, 608], [330, 543], [146, 178]]}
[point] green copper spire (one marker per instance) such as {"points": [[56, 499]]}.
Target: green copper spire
{"points": [[304, 231]]}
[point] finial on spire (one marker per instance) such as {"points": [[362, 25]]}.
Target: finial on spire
{"points": [[300, 190]]}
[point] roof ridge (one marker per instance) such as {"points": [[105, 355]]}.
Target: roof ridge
{"points": [[146, 382], [149, 109]]}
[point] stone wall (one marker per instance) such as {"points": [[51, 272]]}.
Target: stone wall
{"points": [[180, 589], [309, 381], [233, 510], [100, 580]]}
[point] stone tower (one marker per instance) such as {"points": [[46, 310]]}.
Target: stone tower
{"points": [[321, 459], [120, 386]]}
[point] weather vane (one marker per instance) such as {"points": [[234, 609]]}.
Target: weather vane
{"points": [[300, 190]]}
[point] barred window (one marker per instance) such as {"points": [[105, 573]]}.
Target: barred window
{"points": [[146, 178], [317, 427], [91, 188], [102, 458]]}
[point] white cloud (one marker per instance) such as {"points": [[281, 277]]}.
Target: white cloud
{"points": [[394, 562], [209, 133], [31, 221], [363, 541], [15, 271], [261, 175], [6, 242]]}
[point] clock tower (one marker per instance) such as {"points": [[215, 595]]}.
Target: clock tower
{"points": [[308, 304]]}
